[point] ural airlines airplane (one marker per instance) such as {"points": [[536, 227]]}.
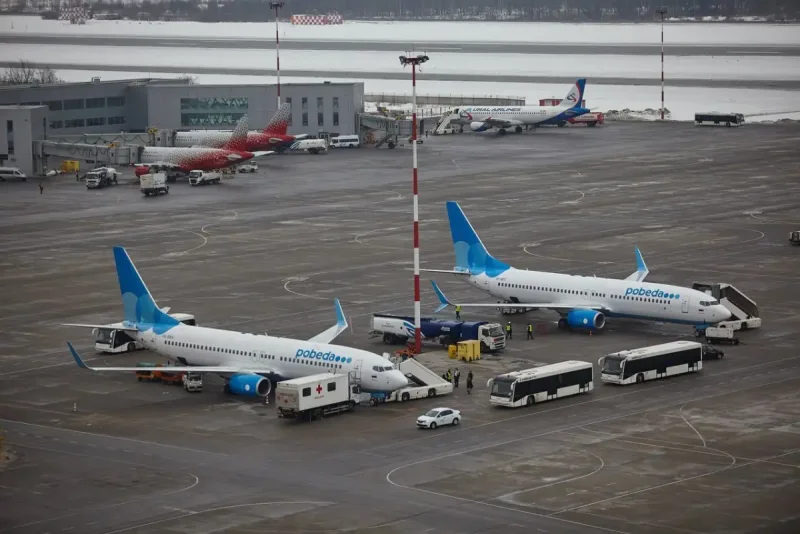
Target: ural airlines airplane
{"points": [[482, 118], [274, 136], [231, 152], [582, 302], [246, 361]]}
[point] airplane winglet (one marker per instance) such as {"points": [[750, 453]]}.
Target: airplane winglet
{"points": [[76, 356], [641, 268], [444, 303], [341, 321]]}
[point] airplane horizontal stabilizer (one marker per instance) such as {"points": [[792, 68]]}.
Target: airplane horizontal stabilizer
{"points": [[333, 332], [445, 271], [123, 328], [173, 368]]}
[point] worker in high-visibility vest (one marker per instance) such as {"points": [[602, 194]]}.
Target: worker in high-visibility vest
{"points": [[530, 331], [458, 312], [508, 330]]}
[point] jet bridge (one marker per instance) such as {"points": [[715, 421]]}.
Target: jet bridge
{"points": [[101, 155], [744, 310]]}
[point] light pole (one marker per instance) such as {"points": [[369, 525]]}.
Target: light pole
{"points": [[276, 6], [415, 61], [662, 12]]}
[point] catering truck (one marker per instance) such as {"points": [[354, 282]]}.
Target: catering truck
{"points": [[153, 184], [397, 329], [313, 397]]}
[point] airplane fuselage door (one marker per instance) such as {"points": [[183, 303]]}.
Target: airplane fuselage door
{"points": [[685, 304], [357, 368]]}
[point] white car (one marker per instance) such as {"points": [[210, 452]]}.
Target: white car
{"points": [[248, 167], [439, 417]]}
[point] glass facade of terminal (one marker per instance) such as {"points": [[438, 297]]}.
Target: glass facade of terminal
{"points": [[213, 111]]}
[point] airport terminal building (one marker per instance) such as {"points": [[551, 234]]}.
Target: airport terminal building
{"points": [[173, 104], [32, 113]]}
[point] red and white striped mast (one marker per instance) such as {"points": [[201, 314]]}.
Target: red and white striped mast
{"points": [[662, 12], [415, 61], [276, 6]]}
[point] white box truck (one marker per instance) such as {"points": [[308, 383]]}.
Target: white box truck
{"points": [[204, 178], [313, 397], [313, 146], [153, 184]]}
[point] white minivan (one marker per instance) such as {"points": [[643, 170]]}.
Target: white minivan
{"points": [[11, 173], [345, 141]]}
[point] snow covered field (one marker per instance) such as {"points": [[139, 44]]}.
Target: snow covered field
{"points": [[408, 32], [699, 68], [757, 105]]}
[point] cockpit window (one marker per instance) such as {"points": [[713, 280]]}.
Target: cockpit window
{"points": [[708, 302], [382, 369]]}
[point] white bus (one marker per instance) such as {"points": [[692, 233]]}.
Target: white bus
{"points": [[112, 341], [529, 386], [650, 363]]}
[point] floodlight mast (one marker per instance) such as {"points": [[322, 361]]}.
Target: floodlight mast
{"points": [[276, 6], [415, 62]]}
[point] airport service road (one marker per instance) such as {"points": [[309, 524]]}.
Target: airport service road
{"points": [[384, 46], [269, 252]]}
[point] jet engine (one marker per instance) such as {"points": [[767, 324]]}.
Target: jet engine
{"points": [[479, 126], [586, 319], [249, 385]]}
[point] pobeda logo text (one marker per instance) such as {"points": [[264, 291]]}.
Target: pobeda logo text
{"points": [[655, 293], [326, 356]]}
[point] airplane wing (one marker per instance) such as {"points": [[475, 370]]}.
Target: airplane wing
{"points": [[641, 269], [255, 369], [262, 153], [126, 329], [333, 332], [558, 306]]}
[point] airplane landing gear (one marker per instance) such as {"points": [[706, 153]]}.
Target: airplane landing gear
{"points": [[501, 131], [518, 129]]}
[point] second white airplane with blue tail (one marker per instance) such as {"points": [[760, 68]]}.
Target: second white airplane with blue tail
{"points": [[583, 302]]}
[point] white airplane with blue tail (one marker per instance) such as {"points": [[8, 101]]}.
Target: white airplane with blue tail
{"points": [[247, 362], [583, 302], [483, 118]]}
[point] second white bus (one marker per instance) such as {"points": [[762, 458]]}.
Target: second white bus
{"points": [[111, 340], [548, 382], [649, 363]]}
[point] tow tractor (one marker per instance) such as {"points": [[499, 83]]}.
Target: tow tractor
{"points": [[794, 237]]}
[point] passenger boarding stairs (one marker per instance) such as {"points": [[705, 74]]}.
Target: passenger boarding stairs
{"points": [[418, 375], [445, 126], [743, 309]]}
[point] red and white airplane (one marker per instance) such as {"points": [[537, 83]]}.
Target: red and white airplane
{"points": [[273, 137], [233, 151]]}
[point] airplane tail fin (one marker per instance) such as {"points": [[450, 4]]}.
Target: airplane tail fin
{"points": [[574, 98], [279, 124], [138, 305], [238, 139], [471, 256]]}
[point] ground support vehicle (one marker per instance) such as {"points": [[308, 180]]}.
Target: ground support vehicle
{"points": [[153, 184], [204, 178], [422, 383], [398, 329], [313, 397]]}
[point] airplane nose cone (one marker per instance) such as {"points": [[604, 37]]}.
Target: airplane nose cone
{"points": [[399, 380], [726, 313]]}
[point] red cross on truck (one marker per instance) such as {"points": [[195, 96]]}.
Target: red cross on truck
{"points": [[319, 389]]}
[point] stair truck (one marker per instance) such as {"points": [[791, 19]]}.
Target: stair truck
{"points": [[744, 311], [398, 330], [313, 397], [422, 383]]}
